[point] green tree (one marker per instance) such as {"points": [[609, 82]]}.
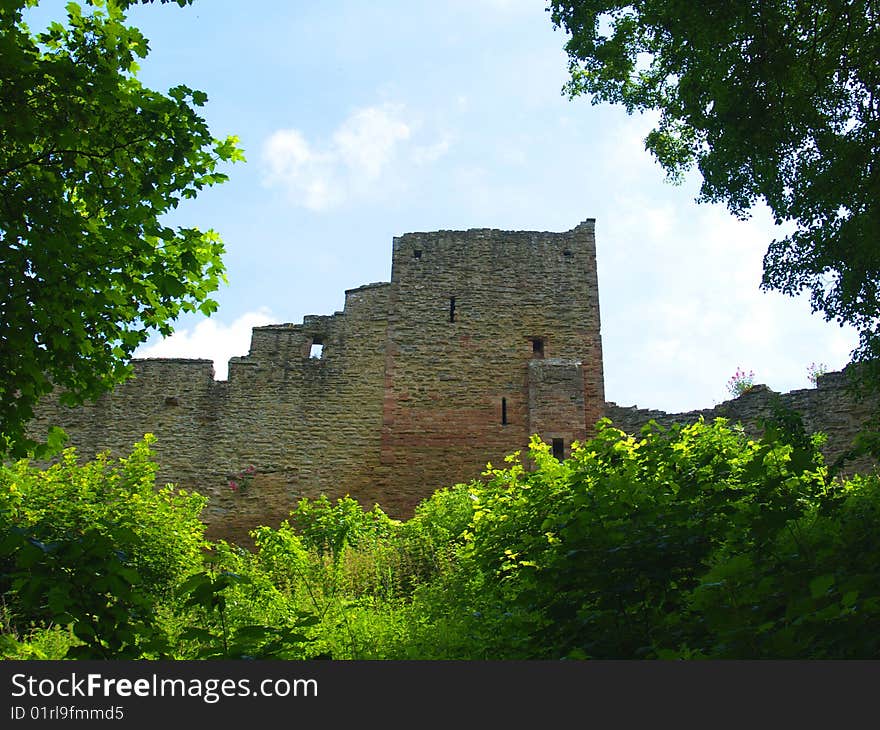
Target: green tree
{"points": [[774, 100], [90, 162]]}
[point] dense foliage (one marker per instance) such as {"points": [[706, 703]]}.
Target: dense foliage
{"points": [[773, 100], [692, 542], [90, 163], [94, 546]]}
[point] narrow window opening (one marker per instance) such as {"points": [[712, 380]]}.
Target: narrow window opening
{"points": [[451, 309], [504, 411], [538, 347], [417, 254], [559, 449], [316, 351]]}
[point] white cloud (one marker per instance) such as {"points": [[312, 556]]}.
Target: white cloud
{"points": [[424, 154], [359, 153], [624, 152], [210, 339], [366, 142], [307, 174]]}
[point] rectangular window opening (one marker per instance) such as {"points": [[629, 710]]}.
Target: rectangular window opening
{"points": [[451, 309], [538, 347], [417, 254], [504, 411], [316, 350], [559, 449]]}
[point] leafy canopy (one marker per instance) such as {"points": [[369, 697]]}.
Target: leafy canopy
{"points": [[772, 99], [90, 161]]}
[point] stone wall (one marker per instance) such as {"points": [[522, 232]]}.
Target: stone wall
{"points": [[480, 338], [307, 425], [829, 408], [471, 313]]}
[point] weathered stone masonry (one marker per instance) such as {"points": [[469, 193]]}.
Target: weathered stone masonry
{"points": [[829, 408], [481, 338]]}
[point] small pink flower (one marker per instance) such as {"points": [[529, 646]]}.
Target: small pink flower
{"points": [[233, 485]]}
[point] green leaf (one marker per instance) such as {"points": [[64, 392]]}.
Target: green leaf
{"points": [[254, 632], [196, 633], [821, 585]]}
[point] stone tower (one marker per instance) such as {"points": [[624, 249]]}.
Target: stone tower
{"points": [[492, 336]]}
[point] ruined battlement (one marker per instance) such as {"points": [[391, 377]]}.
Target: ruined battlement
{"points": [[828, 408], [481, 338]]}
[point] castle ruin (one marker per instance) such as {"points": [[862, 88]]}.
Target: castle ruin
{"points": [[481, 338]]}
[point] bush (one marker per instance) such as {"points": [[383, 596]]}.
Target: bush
{"points": [[69, 498], [602, 553], [813, 592], [331, 528], [95, 546], [689, 542]]}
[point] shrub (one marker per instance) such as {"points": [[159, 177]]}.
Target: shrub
{"points": [[330, 528], [69, 498], [95, 546], [600, 553], [814, 372]]}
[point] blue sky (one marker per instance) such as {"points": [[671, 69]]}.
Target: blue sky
{"points": [[362, 121]]}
